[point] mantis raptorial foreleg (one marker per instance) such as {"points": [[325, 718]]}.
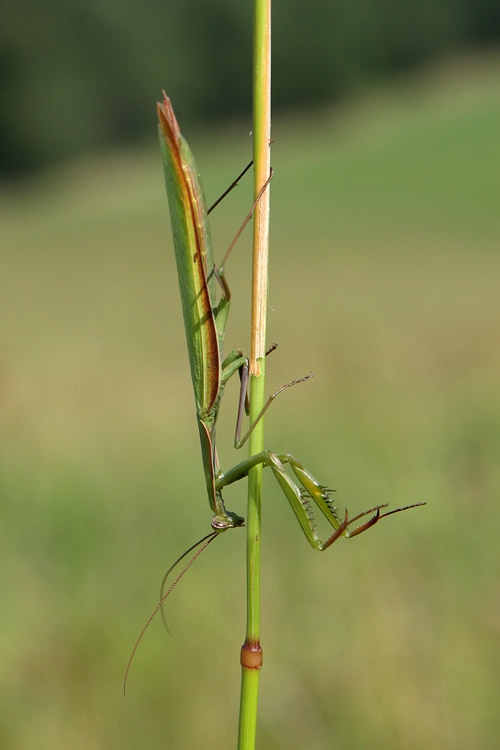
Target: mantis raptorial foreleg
{"points": [[302, 493]]}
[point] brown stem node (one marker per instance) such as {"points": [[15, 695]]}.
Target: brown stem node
{"points": [[251, 655]]}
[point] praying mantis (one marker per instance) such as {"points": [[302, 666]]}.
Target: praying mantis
{"points": [[205, 315], [205, 318]]}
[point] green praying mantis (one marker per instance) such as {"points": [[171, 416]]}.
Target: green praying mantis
{"points": [[206, 297], [205, 318]]}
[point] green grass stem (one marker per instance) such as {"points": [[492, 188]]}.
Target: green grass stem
{"points": [[251, 653]]}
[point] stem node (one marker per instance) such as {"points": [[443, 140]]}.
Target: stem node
{"points": [[251, 655]]}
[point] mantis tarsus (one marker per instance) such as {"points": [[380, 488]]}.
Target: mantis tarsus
{"points": [[205, 315]]}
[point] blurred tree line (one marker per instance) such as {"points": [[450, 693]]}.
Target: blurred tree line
{"points": [[79, 75]]}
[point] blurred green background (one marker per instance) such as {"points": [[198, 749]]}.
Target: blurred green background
{"points": [[81, 75], [384, 282]]}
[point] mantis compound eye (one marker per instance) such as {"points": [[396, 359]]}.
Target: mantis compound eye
{"points": [[229, 521]]}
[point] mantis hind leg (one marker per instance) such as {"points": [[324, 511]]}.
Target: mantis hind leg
{"points": [[243, 402], [237, 362]]}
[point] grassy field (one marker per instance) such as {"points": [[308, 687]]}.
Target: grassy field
{"points": [[384, 282]]}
